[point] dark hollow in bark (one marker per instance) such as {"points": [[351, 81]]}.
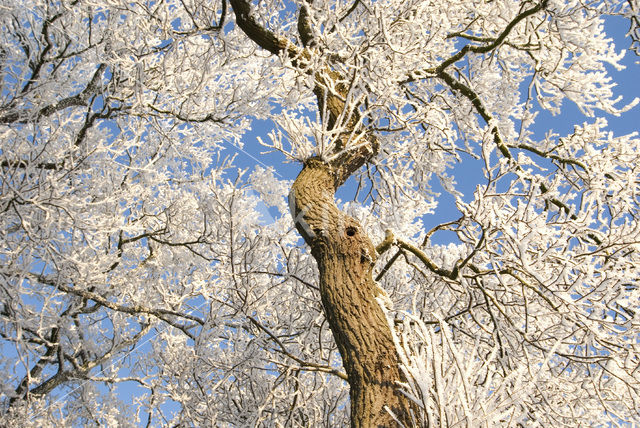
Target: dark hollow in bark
{"points": [[345, 256]]}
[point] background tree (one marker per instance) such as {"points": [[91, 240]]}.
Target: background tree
{"points": [[134, 260]]}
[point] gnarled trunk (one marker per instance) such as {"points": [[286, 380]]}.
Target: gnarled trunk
{"points": [[344, 253], [345, 257]]}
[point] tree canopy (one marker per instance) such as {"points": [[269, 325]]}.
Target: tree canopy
{"points": [[141, 283]]}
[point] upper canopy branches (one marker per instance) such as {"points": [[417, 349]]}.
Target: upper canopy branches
{"points": [[386, 67]]}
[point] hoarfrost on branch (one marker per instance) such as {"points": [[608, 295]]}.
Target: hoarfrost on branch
{"points": [[135, 255]]}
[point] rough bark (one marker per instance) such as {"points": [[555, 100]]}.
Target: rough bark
{"points": [[344, 253], [345, 256]]}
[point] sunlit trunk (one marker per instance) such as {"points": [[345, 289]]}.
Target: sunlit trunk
{"points": [[345, 257]]}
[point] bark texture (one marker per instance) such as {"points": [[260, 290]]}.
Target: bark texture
{"points": [[345, 256], [344, 253]]}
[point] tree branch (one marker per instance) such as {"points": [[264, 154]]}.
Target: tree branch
{"points": [[256, 32], [161, 314], [304, 26], [80, 99], [390, 240], [304, 365], [484, 48]]}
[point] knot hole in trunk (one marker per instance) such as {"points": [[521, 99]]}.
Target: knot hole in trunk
{"points": [[351, 231]]}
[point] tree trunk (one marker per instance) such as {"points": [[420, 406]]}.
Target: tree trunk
{"points": [[344, 253], [345, 257]]}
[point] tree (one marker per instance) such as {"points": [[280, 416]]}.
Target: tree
{"points": [[134, 259]]}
